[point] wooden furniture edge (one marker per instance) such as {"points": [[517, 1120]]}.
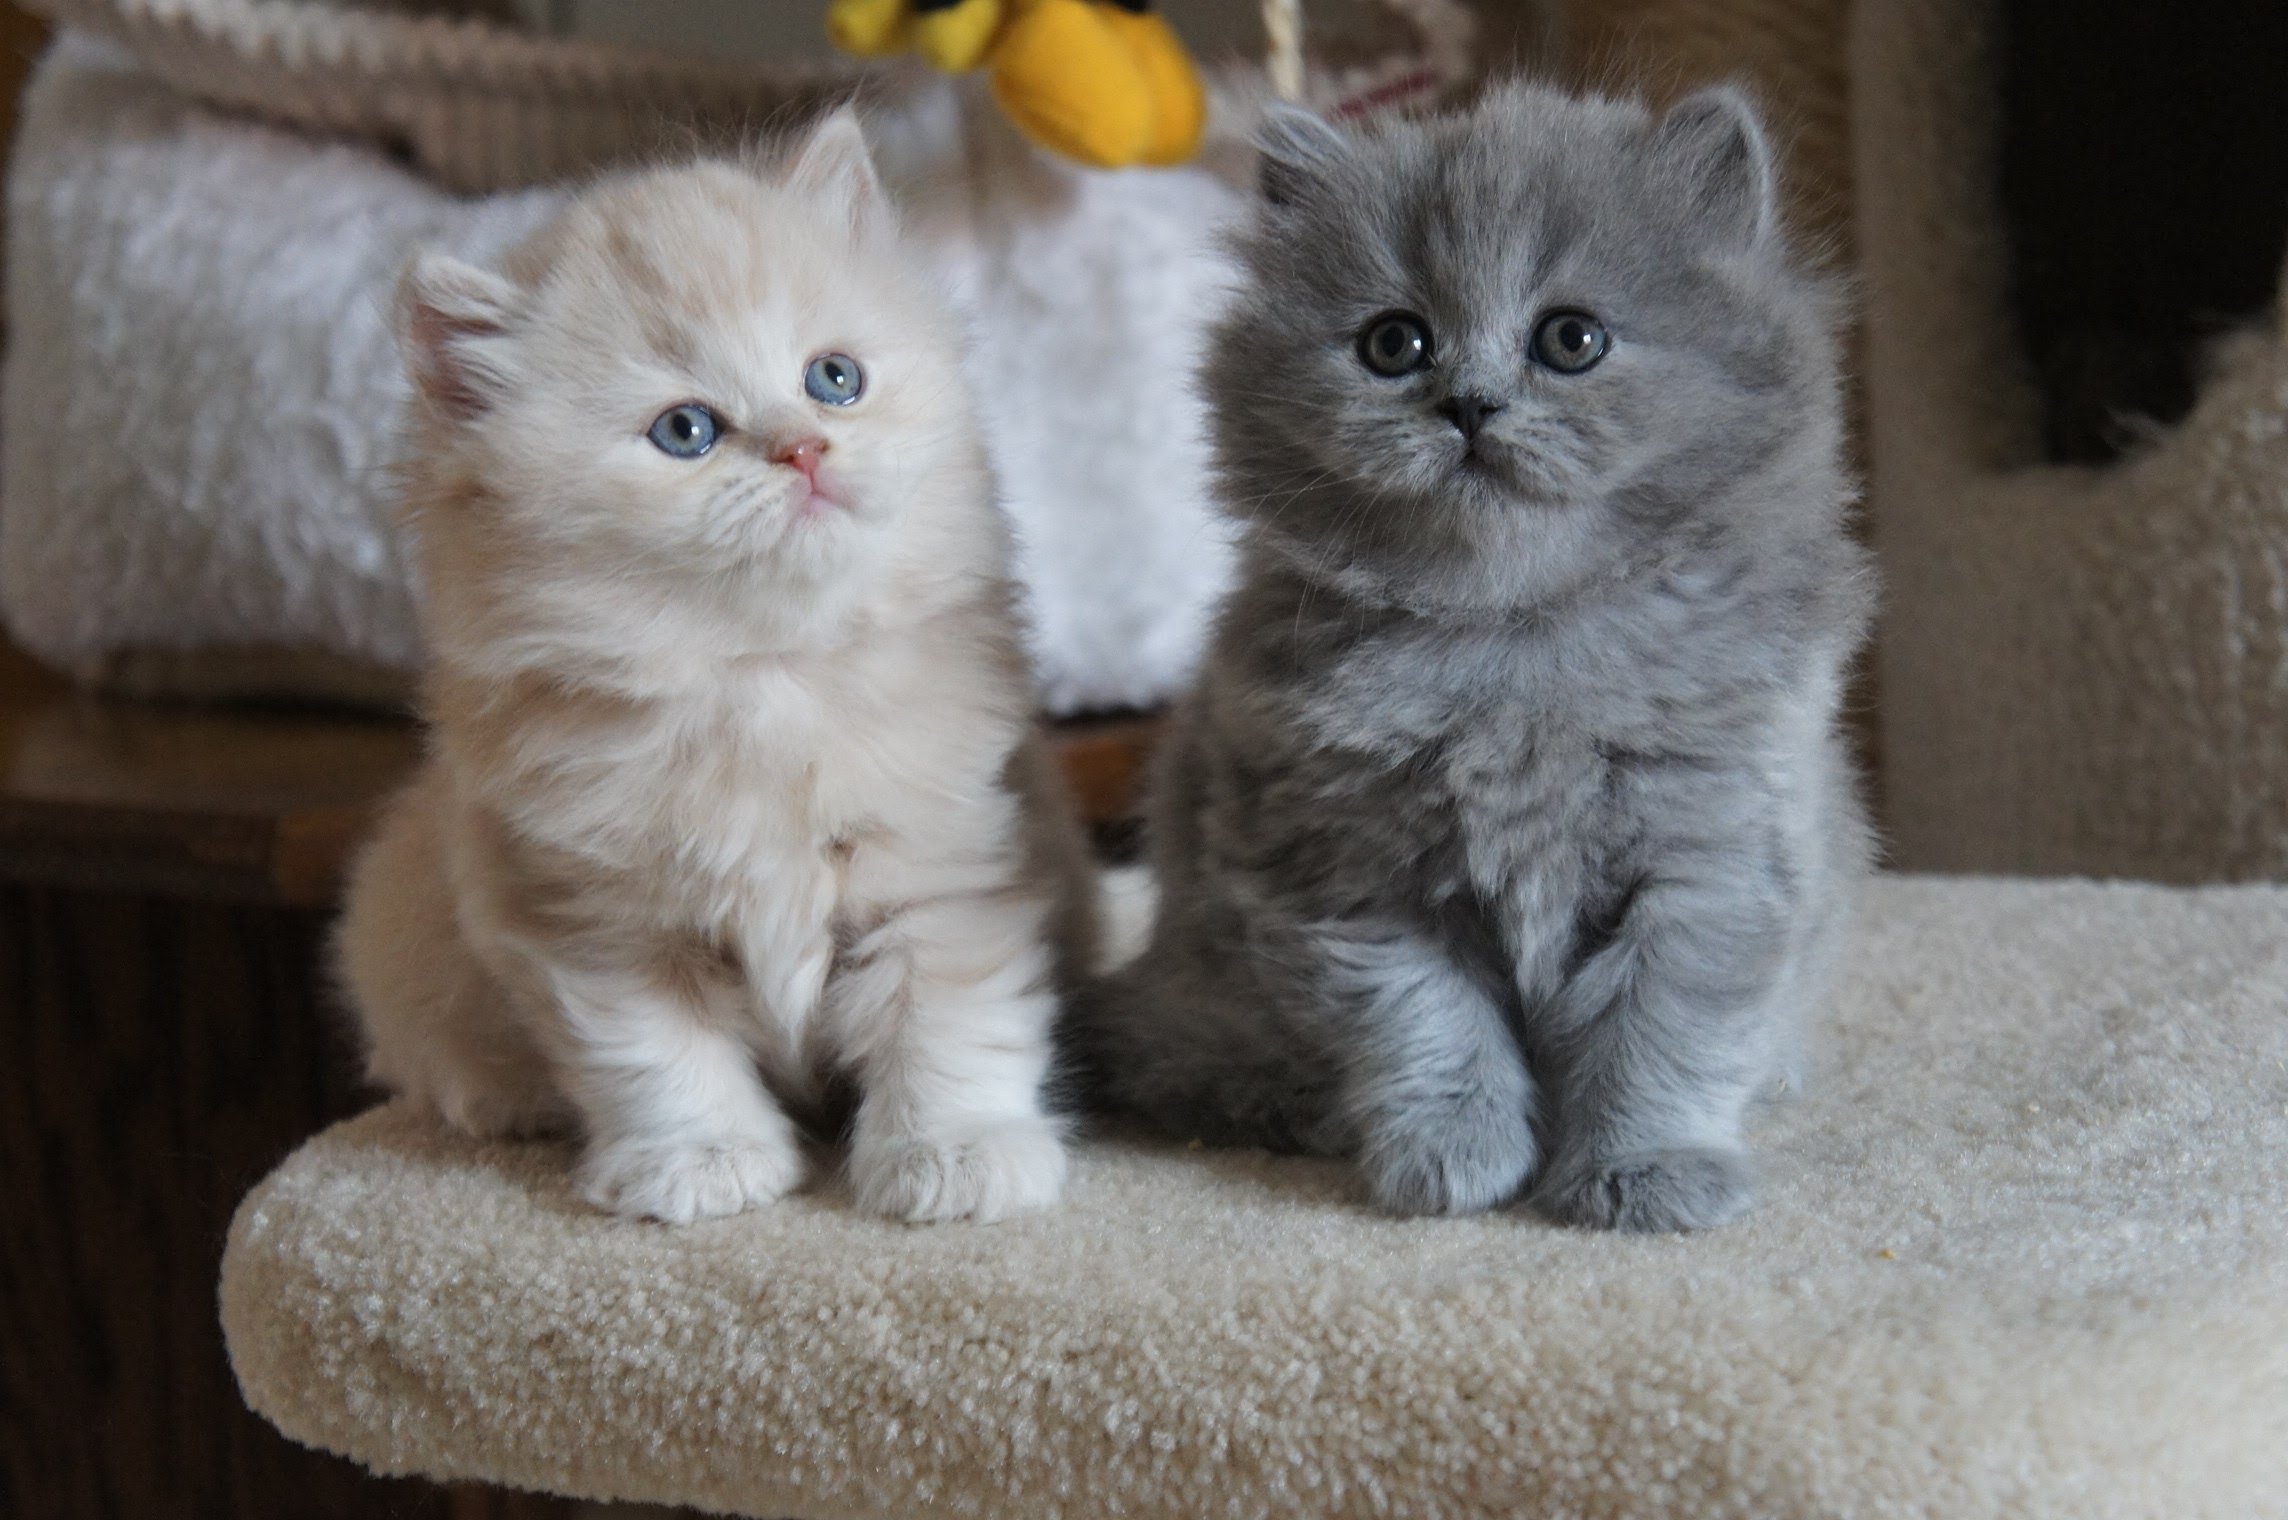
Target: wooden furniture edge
{"points": [[266, 806]]}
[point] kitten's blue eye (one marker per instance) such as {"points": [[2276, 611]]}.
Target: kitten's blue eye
{"points": [[1570, 341], [834, 379], [1395, 343], [686, 431]]}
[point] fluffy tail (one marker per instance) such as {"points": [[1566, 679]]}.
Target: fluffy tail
{"points": [[1127, 899], [1149, 1041]]}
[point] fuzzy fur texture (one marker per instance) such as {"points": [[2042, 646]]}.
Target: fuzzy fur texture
{"points": [[1508, 834], [240, 497], [733, 797]]}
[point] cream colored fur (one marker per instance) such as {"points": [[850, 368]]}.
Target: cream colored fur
{"points": [[732, 793]]}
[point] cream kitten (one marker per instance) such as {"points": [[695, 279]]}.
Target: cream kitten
{"points": [[732, 794]]}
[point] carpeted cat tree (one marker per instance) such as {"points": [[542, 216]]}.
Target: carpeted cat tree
{"points": [[2021, 1251], [2071, 223]]}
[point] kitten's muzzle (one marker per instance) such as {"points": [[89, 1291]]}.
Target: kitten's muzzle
{"points": [[804, 454], [807, 457], [1467, 413]]}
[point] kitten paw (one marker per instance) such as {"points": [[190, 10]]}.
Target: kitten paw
{"points": [[1455, 1169], [1651, 1191], [679, 1182], [996, 1172]]}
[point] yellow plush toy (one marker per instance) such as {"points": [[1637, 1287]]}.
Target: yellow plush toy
{"points": [[1105, 81]]}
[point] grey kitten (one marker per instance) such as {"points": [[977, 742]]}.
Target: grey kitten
{"points": [[1508, 830]]}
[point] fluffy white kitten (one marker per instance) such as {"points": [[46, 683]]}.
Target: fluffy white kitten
{"points": [[733, 805]]}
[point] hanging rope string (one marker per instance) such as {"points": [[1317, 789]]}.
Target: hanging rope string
{"points": [[1283, 54]]}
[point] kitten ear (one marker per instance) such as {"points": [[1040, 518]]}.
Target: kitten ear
{"points": [[1714, 137], [450, 319], [835, 165], [1300, 149]]}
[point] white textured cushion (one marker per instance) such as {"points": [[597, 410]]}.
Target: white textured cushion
{"points": [[2022, 1251]]}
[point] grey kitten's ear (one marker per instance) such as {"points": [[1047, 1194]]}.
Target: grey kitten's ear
{"points": [[451, 318], [1300, 149], [835, 165], [1715, 137]]}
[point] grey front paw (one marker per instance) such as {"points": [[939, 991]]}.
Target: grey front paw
{"points": [[1461, 1166], [1650, 1192]]}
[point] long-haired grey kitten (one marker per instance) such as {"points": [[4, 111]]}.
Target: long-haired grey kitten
{"points": [[1508, 830]]}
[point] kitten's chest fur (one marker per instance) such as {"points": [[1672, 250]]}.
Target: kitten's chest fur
{"points": [[1514, 768], [1492, 791], [732, 807]]}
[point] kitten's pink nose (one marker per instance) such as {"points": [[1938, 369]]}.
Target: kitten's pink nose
{"points": [[804, 454]]}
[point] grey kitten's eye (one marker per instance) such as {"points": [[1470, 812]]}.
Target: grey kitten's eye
{"points": [[686, 431], [1570, 342], [1395, 343], [834, 379]]}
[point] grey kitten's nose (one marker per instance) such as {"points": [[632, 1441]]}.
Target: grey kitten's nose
{"points": [[1468, 413]]}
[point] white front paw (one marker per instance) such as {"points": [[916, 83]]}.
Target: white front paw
{"points": [[986, 1175], [679, 1181]]}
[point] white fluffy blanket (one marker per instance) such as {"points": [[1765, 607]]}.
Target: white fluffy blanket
{"points": [[201, 396], [2022, 1253]]}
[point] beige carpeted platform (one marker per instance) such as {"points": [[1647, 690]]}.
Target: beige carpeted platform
{"points": [[2080, 666], [2022, 1252]]}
